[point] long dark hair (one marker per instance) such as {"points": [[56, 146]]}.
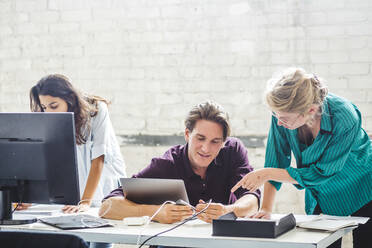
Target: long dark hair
{"points": [[84, 107]]}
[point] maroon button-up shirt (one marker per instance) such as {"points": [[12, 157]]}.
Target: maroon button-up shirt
{"points": [[230, 165]]}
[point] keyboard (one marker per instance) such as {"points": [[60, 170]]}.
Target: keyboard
{"points": [[67, 222]]}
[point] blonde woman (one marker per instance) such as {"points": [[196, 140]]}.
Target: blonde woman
{"points": [[333, 153]]}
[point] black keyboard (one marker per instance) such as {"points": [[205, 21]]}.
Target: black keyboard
{"points": [[79, 221]]}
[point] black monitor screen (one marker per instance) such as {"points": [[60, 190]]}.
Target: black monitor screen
{"points": [[38, 157]]}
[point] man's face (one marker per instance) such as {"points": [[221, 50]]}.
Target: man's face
{"points": [[204, 143]]}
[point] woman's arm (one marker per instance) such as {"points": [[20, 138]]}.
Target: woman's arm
{"points": [[90, 188], [255, 179]]}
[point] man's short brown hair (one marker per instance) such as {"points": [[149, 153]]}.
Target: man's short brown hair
{"points": [[209, 111]]}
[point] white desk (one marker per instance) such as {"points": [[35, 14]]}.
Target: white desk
{"points": [[198, 235]]}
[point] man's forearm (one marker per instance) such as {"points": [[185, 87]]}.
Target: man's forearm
{"points": [[246, 205]]}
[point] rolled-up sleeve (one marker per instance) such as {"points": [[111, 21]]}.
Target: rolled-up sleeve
{"points": [[100, 131], [278, 151]]}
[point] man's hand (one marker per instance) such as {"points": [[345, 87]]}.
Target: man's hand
{"points": [[214, 211], [171, 213], [82, 207]]}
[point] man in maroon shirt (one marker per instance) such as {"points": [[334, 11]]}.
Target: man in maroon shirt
{"points": [[210, 164]]}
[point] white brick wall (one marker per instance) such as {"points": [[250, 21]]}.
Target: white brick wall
{"points": [[151, 56]]}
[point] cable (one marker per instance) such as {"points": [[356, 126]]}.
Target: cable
{"points": [[178, 225], [85, 220], [150, 219]]}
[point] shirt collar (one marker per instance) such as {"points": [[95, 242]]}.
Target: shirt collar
{"points": [[326, 121]]}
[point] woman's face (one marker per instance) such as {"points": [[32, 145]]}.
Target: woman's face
{"points": [[53, 104], [290, 120]]}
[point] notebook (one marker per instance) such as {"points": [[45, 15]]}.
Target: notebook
{"points": [[80, 221]]}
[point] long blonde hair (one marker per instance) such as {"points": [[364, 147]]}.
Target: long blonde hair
{"points": [[294, 91]]}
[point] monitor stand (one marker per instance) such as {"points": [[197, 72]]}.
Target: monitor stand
{"points": [[6, 214]]}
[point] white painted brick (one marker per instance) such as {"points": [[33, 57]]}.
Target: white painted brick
{"points": [[128, 73], [10, 53], [161, 73], [15, 65], [358, 82], [243, 47], [44, 16], [67, 51], [147, 36], [191, 72], [76, 15], [308, 19], [329, 57], [168, 98], [278, 46], [349, 69], [325, 31], [96, 26], [113, 61], [159, 125], [5, 31], [140, 12], [31, 5], [369, 97], [365, 108], [108, 14], [47, 63], [5, 6], [176, 36], [346, 17], [107, 49], [31, 28], [222, 59], [354, 95], [361, 55], [359, 29], [277, 19], [129, 125], [63, 28], [317, 45], [286, 33], [170, 48], [12, 18], [337, 82], [191, 99], [67, 4]]}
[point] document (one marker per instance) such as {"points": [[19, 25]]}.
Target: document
{"points": [[328, 222]]}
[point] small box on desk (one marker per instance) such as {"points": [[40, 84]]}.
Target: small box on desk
{"points": [[229, 225]]}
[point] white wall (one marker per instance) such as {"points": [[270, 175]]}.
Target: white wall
{"points": [[156, 58]]}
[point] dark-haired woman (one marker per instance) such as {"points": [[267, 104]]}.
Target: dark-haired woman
{"points": [[100, 164]]}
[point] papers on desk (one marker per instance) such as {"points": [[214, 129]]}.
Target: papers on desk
{"points": [[328, 222], [41, 209]]}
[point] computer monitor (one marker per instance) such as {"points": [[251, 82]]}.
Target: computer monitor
{"points": [[37, 161]]}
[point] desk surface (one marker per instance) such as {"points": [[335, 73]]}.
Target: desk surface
{"points": [[190, 235]]}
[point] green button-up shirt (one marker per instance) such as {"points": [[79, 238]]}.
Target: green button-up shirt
{"points": [[336, 170]]}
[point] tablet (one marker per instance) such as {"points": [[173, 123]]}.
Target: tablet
{"points": [[153, 190]]}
